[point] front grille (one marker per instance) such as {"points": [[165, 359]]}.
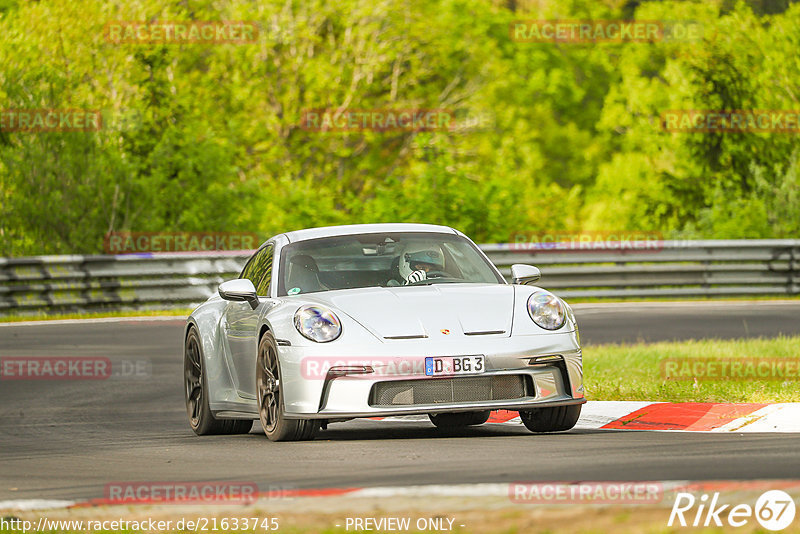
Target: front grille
{"points": [[450, 390]]}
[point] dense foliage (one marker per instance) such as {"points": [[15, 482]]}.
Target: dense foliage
{"points": [[208, 137]]}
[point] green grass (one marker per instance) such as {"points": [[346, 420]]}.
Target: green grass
{"points": [[180, 313], [634, 372]]}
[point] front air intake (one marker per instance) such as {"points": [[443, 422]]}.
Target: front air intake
{"points": [[451, 390]]}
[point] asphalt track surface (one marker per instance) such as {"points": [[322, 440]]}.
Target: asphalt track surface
{"points": [[68, 439]]}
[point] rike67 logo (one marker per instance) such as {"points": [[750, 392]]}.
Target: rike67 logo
{"points": [[774, 510]]}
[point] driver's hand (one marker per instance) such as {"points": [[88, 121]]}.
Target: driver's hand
{"points": [[416, 276]]}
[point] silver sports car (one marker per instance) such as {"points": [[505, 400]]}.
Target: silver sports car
{"points": [[329, 324]]}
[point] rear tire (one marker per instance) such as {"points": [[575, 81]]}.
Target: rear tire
{"points": [[556, 419], [461, 419], [201, 420], [270, 397]]}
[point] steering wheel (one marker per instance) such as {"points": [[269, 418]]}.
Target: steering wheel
{"points": [[433, 275]]}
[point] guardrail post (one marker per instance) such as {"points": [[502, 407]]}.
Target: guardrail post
{"points": [[793, 287]]}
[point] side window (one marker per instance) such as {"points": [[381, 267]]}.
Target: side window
{"points": [[248, 270], [265, 271], [259, 269]]}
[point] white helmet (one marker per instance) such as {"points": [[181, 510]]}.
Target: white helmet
{"points": [[423, 254]]}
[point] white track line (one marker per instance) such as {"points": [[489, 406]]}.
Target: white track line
{"points": [[687, 304], [24, 505], [140, 318]]}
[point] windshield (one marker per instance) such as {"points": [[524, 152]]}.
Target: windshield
{"points": [[381, 260]]}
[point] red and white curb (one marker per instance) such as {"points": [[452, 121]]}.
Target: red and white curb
{"points": [[681, 416], [691, 416]]}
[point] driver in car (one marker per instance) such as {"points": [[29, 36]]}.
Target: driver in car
{"points": [[416, 263]]}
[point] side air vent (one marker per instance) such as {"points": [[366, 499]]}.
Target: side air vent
{"points": [[484, 332]]}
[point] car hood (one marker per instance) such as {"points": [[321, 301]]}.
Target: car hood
{"points": [[428, 311]]}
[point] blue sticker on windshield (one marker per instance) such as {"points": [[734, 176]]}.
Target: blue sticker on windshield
{"points": [[294, 291]]}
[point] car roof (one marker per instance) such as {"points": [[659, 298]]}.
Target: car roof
{"points": [[350, 229]]}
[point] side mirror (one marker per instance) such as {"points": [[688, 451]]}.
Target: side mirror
{"points": [[524, 274], [239, 290]]}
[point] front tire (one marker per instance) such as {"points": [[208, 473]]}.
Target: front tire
{"points": [[195, 380], [556, 419], [270, 397], [458, 420]]}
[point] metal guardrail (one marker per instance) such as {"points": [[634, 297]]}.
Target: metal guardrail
{"points": [[709, 268], [582, 270]]}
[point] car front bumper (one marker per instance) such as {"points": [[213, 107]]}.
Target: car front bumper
{"points": [[538, 370]]}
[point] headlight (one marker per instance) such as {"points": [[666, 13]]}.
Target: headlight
{"points": [[317, 323], [547, 310]]}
